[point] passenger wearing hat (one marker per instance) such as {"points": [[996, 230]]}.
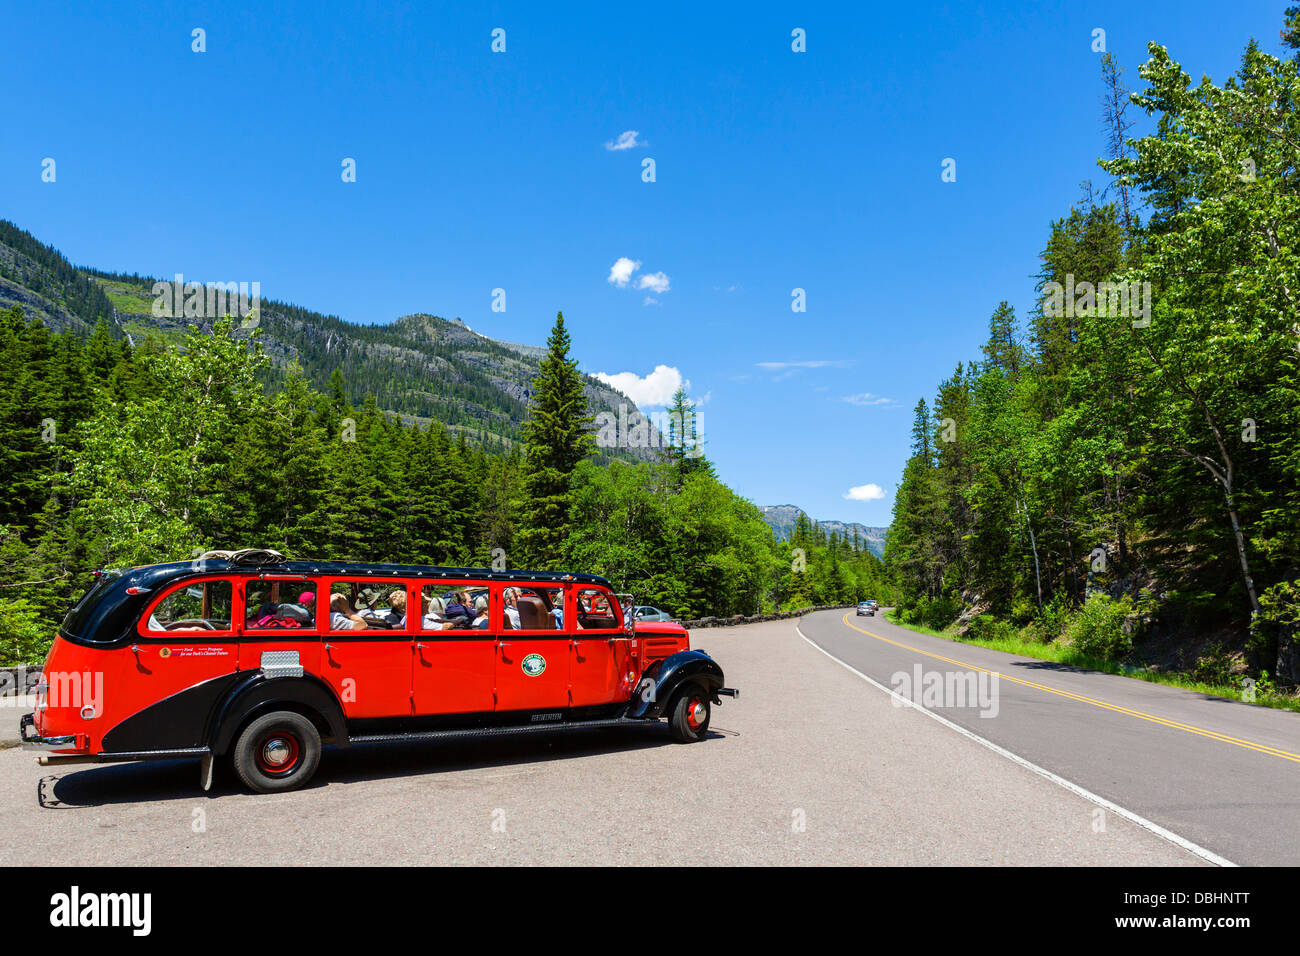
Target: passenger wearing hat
{"points": [[393, 616]]}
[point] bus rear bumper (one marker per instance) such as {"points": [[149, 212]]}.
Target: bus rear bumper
{"points": [[34, 741]]}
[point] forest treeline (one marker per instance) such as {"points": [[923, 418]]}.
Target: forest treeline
{"points": [[114, 455], [1107, 471]]}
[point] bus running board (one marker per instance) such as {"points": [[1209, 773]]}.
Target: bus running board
{"points": [[503, 731]]}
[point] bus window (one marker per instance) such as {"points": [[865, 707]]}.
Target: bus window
{"points": [[202, 606], [596, 610], [538, 609], [449, 606], [270, 605], [367, 605]]}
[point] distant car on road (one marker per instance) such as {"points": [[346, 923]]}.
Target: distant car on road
{"points": [[646, 613], [867, 607]]}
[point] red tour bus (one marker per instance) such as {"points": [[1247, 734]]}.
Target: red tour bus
{"points": [[260, 660]]}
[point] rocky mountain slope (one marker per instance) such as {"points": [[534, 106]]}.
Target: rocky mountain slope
{"points": [[420, 366], [781, 519]]}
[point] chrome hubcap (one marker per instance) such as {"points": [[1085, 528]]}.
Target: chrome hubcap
{"points": [[276, 751], [698, 712]]}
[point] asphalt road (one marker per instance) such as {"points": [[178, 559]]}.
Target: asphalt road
{"points": [[812, 765], [1220, 773]]}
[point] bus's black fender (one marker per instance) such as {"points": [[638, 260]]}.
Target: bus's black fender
{"points": [[256, 693], [661, 680]]}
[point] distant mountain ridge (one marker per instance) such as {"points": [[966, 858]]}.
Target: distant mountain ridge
{"points": [[422, 367], [781, 519]]}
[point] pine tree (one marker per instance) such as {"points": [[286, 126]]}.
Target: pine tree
{"points": [[921, 433], [1291, 31], [683, 447], [1003, 350], [556, 438]]}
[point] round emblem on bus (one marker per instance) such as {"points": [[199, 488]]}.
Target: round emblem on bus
{"points": [[165, 652], [533, 665]]}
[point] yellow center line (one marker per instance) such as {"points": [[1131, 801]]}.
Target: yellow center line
{"points": [[1177, 725]]}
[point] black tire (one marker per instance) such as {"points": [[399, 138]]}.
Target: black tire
{"points": [[689, 716], [277, 752]]}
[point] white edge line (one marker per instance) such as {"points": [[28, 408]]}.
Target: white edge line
{"points": [[1129, 815]]}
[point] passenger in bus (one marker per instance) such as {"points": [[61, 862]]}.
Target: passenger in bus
{"points": [[480, 612], [342, 615], [434, 619], [557, 608], [368, 601], [511, 598], [392, 616], [265, 607], [397, 606], [304, 612], [459, 609]]}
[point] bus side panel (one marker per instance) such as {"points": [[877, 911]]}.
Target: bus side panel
{"points": [[92, 690]]}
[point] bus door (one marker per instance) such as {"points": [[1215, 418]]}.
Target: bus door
{"points": [[600, 648], [277, 623], [366, 656], [453, 670], [532, 666]]}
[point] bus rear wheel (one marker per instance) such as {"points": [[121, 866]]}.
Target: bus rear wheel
{"points": [[277, 752]]}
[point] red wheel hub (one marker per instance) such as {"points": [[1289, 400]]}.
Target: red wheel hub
{"points": [[277, 753], [696, 711]]}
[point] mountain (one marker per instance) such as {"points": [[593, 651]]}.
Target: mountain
{"points": [[47, 286], [781, 519], [422, 367]]}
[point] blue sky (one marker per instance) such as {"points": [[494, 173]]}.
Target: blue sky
{"points": [[476, 170]]}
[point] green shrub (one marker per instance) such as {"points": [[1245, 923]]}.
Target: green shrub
{"points": [[1050, 621], [1097, 628], [1214, 666], [24, 637], [934, 613], [1023, 611], [986, 627], [940, 612]]}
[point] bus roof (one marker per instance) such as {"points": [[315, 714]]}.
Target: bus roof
{"points": [[109, 610]]}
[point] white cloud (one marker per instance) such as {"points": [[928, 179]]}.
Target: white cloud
{"points": [[655, 389], [866, 398], [621, 271], [656, 282], [626, 140], [620, 275], [868, 492]]}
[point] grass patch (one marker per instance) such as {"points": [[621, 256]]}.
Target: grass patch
{"points": [[140, 330], [1265, 696], [126, 298]]}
